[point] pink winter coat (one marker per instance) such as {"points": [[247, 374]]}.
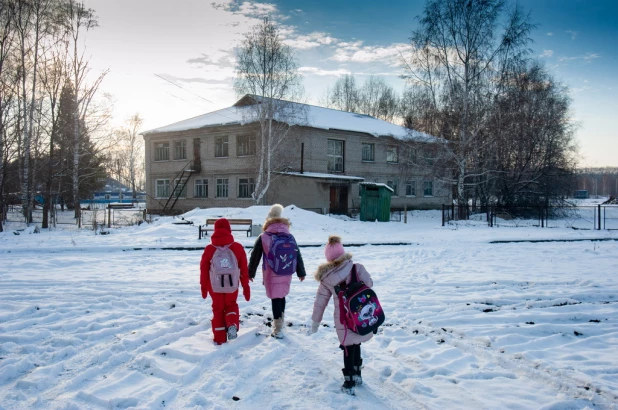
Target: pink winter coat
{"points": [[329, 275], [277, 286]]}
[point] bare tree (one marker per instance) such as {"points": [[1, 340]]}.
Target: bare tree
{"points": [[78, 20], [344, 95], [266, 69], [454, 50], [128, 156], [378, 99], [7, 32]]}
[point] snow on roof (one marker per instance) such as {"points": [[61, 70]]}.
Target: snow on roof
{"points": [[316, 117], [324, 176], [377, 184]]}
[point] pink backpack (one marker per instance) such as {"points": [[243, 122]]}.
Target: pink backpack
{"points": [[224, 270]]}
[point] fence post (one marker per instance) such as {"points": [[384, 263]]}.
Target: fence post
{"points": [[405, 214], [599, 216], [443, 206], [109, 217]]}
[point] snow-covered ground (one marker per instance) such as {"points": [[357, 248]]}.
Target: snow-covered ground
{"points": [[117, 321]]}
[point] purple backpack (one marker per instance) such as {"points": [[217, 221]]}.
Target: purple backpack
{"points": [[359, 308], [281, 257]]}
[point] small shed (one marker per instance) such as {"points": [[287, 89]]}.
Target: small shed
{"points": [[375, 201]]}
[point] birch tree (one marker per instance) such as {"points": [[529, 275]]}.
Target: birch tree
{"points": [[267, 70], [78, 21], [454, 50]]}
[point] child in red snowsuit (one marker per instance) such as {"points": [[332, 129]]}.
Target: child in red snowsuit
{"points": [[225, 320]]}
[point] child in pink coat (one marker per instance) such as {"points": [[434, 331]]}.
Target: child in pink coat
{"points": [[336, 271], [277, 286]]}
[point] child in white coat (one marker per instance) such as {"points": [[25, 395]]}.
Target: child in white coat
{"points": [[337, 270]]}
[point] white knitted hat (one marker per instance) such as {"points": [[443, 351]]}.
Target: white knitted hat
{"points": [[275, 211]]}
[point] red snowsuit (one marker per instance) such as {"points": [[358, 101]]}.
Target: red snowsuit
{"points": [[224, 307]]}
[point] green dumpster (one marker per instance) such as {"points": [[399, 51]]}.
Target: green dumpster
{"points": [[375, 201]]}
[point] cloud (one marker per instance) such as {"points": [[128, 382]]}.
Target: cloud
{"points": [[225, 60], [547, 53], [550, 33], [322, 72], [305, 42], [586, 57], [573, 34], [357, 53]]}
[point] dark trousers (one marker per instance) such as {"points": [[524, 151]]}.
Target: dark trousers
{"points": [[278, 305], [353, 356]]}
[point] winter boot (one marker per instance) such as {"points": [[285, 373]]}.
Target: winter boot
{"points": [[232, 332], [356, 375], [348, 383], [278, 330]]}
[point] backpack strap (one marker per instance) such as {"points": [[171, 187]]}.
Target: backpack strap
{"points": [[354, 277]]}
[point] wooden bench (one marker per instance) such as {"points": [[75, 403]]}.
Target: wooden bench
{"points": [[235, 224]]}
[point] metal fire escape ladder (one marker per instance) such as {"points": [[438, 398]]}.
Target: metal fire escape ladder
{"points": [[179, 186]]}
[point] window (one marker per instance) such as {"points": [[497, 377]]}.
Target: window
{"points": [[410, 188], [180, 149], [221, 147], [180, 187], [245, 145], [428, 188], [391, 154], [108, 196], [222, 187], [412, 155], [429, 156], [162, 188], [162, 151], [335, 156], [369, 152], [394, 184], [246, 186], [201, 188]]}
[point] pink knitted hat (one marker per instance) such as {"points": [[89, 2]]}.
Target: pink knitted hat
{"points": [[333, 248]]}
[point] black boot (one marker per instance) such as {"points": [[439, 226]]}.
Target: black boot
{"points": [[356, 375], [348, 383]]}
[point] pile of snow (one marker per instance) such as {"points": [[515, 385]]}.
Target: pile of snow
{"points": [[117, 321]]}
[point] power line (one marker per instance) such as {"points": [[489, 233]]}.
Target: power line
{"points": [[181, 87]]}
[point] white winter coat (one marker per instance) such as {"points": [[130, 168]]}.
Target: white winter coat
{"points": [[329, 275]]}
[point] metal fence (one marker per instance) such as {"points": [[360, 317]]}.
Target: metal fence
{"points": [[599, 217], [90, 218]]}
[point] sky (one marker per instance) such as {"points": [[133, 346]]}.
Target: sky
{"points": [[169, 61]]}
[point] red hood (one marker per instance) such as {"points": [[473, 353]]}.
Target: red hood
{"points": [[222, 234]]}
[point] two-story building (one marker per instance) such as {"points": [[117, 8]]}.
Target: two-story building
{"points": [[211, 161]]}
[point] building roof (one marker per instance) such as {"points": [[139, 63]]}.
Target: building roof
{"points": [[377, 184], [324, 176], [241, 113]]}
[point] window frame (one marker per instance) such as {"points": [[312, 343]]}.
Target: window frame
{"points": [[428, 184], [220, 186], [390, 150], [162, 150], [394, 184], [411, 183], [250, 145], [372, 146], [222, 146], [249, 186], [333, 156], [165, 186], [203, 185], [182, 146]]}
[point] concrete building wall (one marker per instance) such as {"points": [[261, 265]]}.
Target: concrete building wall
{"points": [[304, 192]]}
